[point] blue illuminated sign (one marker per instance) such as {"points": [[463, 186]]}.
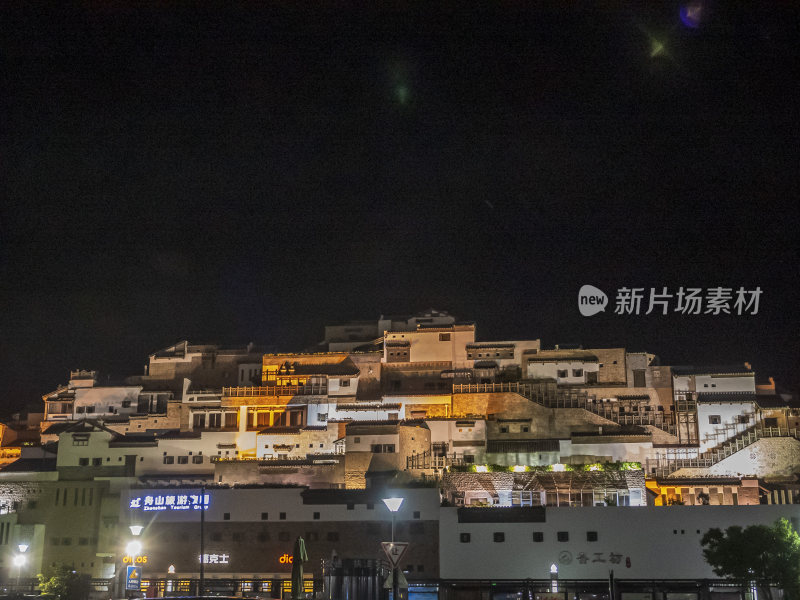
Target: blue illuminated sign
{"points": [[171, 502]]}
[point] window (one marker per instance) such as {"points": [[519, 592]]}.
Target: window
{"points": [[538, 536], [333, 536], [316, 516], [264, 516], [96, 462], [356, 440], [465, 538], [168, 460], [370, 506], [499, 536], [444, 337], [197, 460], [714, 419], [504, 429], [80, 440], [743, 419], [66, 541], [126, 404], [351, 506], [226, 516], [591, 536], [344, 383], [282, 516], [577, 372], [183, 460], [416, 514], [562, 536], [83, 462], [525, 429], [90, 409], [322, 417], [263, 537], [561, 372], [79, 410]]}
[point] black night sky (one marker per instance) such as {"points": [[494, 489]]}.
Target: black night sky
{"points": [[248, 172]]}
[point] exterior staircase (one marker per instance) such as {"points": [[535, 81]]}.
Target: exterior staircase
{"points": [[551, 397], [666, 465]]}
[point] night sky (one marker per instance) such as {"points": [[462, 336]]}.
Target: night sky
{"points": [[249, 172]]}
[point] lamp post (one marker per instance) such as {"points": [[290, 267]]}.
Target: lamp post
{"points": [[554, 578], [19, 561], [393, 504], [133, 549]]}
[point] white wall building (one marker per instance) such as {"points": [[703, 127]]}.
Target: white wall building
{"points": [[567, 367]]}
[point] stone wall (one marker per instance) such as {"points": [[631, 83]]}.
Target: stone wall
{"points": [[770, 457], [612, 365], [544, 422]]}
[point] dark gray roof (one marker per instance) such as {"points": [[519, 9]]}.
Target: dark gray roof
{"points": [[27, 465], [522, 446], [711, 370], [726, 397]]}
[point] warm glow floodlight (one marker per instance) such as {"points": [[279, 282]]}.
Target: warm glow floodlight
{"points": [[136, 529], [19, 560], [133, 548], [393, 504], [23, 547]]}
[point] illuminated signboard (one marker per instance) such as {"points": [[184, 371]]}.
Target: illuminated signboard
{"points": [[286, 559], [139, 560], [214, 559], [171, 502]]}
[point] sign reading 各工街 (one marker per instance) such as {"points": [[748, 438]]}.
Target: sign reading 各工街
{"points": [[171, 502]]}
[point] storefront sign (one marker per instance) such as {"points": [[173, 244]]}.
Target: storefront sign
{"points": [[214, 559], [171, 502], [139, 560], [133, 579]]}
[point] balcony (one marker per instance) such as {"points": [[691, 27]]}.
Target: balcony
{"points": [[275, 390]]}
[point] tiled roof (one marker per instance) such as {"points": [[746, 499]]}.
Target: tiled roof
{"points": [[726, 397], [25, 465], [561, 355], [522, 446]]}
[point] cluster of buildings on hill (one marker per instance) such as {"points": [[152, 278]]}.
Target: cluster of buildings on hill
{"points": [[488, 441]]}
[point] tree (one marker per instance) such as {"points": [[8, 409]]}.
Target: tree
{"points": [[763, 554], [64, 583]]}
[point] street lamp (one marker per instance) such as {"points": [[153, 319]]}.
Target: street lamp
{"points": [[393, 504], [20, 560], [133, 549], [554, 578]]}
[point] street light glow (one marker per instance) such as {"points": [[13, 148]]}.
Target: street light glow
{"points": [[136, 529], [23, 548], [19, 560], [133, 548]]}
